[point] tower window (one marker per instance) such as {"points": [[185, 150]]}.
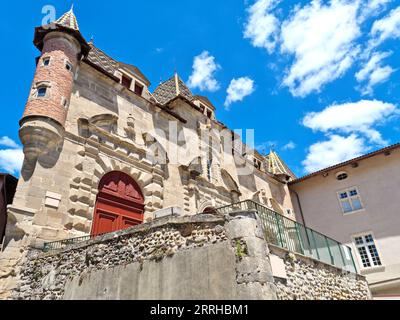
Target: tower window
{"points": [[64, 102], [46, 61], [68, 66], [209, 113], [41, 92], [138, 88]]}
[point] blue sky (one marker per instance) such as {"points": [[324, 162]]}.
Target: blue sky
{"points": [[317, 79]]}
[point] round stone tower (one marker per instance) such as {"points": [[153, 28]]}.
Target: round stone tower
{"points": [[62, 46]]}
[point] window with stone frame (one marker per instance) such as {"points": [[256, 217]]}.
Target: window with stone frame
{"points": [[138, 88], [350, 200], [126, 81], [42, 91], [68, 66], [46, 61], [367, 251]]}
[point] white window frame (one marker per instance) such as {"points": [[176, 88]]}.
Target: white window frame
{"points": [[349, 198], [370, 259], [46, 58], [69, 64], [37, 86]]}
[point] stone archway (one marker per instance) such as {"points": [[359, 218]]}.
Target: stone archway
{"points": [[119, 203], [210, 210]]}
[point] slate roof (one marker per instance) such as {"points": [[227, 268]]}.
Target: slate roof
{"points": [[101, 60], [171, 89], [68, 20]]}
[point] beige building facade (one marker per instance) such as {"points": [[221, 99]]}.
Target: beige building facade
{"points": [[357, 203], [91, 123]]}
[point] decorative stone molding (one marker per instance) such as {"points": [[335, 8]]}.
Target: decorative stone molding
{"points": [[93, 162]]}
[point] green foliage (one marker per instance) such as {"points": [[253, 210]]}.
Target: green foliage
{"points": [[240, 250]]}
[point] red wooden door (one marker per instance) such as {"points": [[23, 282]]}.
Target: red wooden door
{"points": [[119, 204]]}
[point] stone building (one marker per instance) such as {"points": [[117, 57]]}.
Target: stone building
{"points": [[103, 152], [356, 203]]}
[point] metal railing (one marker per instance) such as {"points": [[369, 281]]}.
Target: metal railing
{"points": [[279, 230], [63, 244], [295, 237]]}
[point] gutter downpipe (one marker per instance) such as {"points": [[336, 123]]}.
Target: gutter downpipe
{"points": [[302, 215], [300, 208]]}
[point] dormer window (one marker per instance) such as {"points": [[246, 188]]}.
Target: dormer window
{"points": [[138, 88], [202, 108], [126, 81]]}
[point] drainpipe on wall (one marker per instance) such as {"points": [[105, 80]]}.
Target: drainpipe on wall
{"points": [[302, 215], [301, 210]]}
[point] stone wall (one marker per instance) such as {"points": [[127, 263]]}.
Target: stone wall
{"points": [[191, 257], [307, 279], [223, 256]]}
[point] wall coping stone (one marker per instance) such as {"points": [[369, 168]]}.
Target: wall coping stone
{"points": [[168, 221]]}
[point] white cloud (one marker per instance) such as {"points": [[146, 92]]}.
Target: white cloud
{"points": [[238, 89], [335, 150], [202, 77], [262, 27], [322, 39], [357, 117], [11, 159], [289, 146], [373, 72], [386, 28], [373, 7], [7, 142]]}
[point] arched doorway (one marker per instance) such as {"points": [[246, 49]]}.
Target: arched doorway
{"points": [[119, 204], [210, 210]]}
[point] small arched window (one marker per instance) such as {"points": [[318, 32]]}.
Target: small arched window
{"points": [[341, 175]]}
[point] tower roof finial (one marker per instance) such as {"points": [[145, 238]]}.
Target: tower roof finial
{"points": [[68, 20]]}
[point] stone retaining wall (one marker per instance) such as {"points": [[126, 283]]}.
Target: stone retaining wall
{"points": [[44, 275], [196, 257], [308, 279]]}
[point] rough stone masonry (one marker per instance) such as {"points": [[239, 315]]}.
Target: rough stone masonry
{"points": [[197, 257]]}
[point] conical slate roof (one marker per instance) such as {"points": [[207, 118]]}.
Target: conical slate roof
{"points": [[276, 166], [172, 88], [68, 20], [66, 23]]}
